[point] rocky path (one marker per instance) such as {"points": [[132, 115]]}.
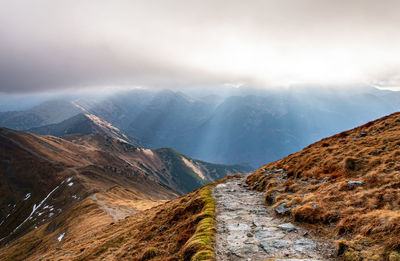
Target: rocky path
{"points": [[114, 211], [248, 230]]}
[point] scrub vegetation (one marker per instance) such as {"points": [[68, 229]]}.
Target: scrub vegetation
{"points": [[345, 187]]}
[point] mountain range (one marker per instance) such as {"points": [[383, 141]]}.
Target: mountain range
{"points": [[85, 197], [243, 125]]}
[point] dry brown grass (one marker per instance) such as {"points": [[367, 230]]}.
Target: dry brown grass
{"points": [[180, 229], [365, 219]]}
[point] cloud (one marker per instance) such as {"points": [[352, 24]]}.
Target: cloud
{"points": [[47, 45]]}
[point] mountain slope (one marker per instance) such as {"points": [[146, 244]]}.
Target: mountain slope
{"points": [[345, 187], [180, 229], [42, 178], [83, 124], [46, 113], [171, 168]]}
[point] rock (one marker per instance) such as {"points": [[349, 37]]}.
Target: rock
{"points": [[288, 227], [249, 234], [232, 204], [271, 245], [220, 186], [355, 183], [281, 208], [243, 251], [268, 233], [363, 134], [303, 245], [258, 211]]}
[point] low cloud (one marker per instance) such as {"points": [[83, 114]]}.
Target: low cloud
{"points": [[52, 45]]}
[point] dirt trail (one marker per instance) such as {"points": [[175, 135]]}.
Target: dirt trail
{"points": [[248, 230], [114, 211]]}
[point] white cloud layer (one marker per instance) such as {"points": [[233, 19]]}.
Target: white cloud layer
{"points": [[48, 44]]}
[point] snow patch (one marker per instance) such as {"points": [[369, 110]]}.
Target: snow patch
{"points": [[35, 208], [69, 179], [74, 197], [195, 169], [61, 237], [70, 184], [27, 196]]}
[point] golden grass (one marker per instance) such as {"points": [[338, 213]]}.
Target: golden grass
{"points": [[365, 219], [180, 229]]}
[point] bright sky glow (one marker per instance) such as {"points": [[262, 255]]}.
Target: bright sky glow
{"points": [[58, 44]]}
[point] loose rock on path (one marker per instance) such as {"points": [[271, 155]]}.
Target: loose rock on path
{"points": [[248, 230]]}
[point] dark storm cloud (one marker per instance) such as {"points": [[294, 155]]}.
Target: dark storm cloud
{"points": [[47, 45]]}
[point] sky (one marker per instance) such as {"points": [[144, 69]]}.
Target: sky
{"points": [[48, 45]]}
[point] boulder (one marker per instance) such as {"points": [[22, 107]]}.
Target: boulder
{"points": [[288, 227], [281, 209]]}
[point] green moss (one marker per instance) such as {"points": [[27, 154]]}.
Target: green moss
{"points": [[200, 245], [394, 256]]}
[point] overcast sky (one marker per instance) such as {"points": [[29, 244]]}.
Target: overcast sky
{"points": [[51, 45]]}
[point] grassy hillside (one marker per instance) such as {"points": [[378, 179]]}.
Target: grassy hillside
{"points": [[180, 229], [345, 187]]}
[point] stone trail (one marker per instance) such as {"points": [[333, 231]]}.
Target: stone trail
{"points": [[248, 230]]}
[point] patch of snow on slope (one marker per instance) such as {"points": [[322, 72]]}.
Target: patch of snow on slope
{"points": [[194, 168], [70, 184], [61, 237], [35, 208], [27, 196]]}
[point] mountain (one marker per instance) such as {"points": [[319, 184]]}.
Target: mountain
{"points": [[247, 125], [43, 179], [230, 126], [49, 112], [83, 124], [345, 187]]}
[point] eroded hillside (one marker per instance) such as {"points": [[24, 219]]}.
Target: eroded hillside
{"points": [[345, 187]]}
